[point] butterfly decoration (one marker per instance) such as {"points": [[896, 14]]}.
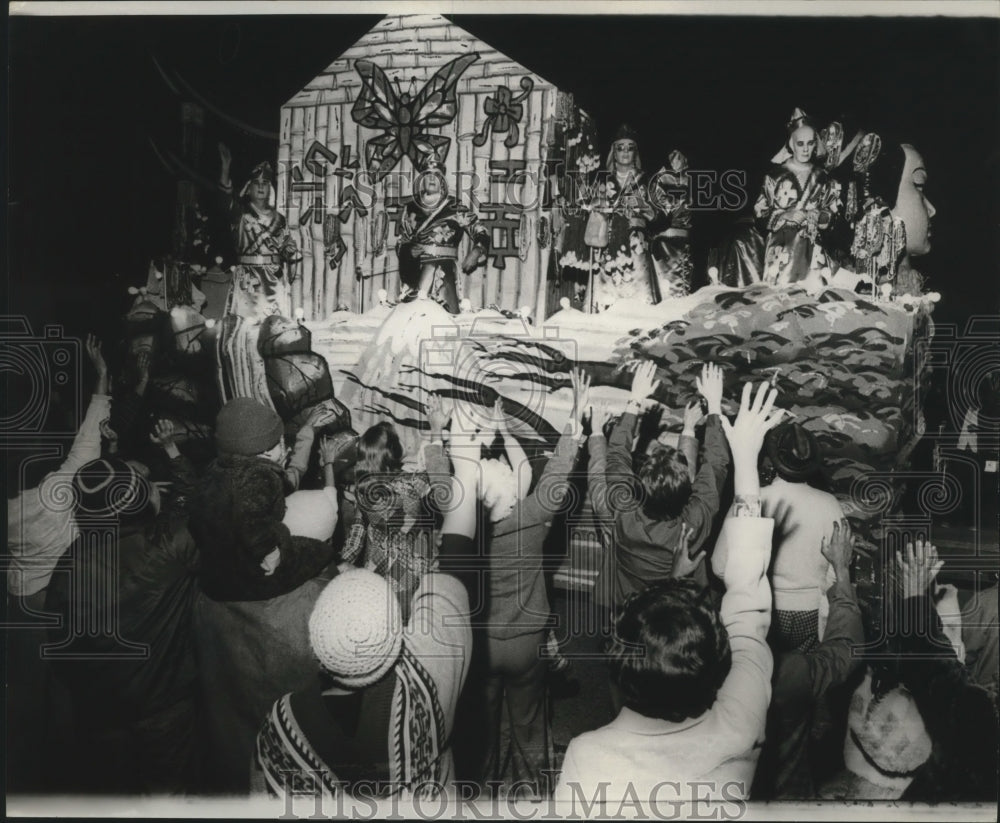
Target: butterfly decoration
{"points": [[404, 116]]}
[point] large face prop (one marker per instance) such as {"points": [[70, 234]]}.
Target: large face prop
{"points": [[625, 152], [912, 207], [802, 143]]}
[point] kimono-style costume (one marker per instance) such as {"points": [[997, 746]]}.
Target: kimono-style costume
{"points": [[265, 245], [625, 267], [671, 245], [792, 250], [432, 237]]}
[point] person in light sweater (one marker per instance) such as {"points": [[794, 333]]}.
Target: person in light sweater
{"points": [[696, 682], [792, 496]]}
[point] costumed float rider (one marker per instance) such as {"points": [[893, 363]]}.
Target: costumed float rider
{"points": [[264, 244], [625, 266], [432, 228], [671, 246], [796, 204]]}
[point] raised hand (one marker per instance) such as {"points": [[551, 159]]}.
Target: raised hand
{"points": [[692, 416], [437, 417], [917, 568], [754, 420], [142, 363], [644, 381], [110, 435], [709, 384], [320, 415], [600, 414], [746, 436], [580, 382], [100, 366], [684, 563], [165, 436], [839, 549], [163, 433]]}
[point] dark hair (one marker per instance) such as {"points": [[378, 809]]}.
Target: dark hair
{"points": [[791, 452], [885, 174], [670, 653], [379, 451], [666, 483], [380, 454]]}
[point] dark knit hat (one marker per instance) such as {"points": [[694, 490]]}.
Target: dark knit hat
{"points": [[110, 487], [248, 427], [793, 451]]}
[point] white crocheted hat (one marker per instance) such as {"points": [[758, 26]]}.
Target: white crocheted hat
{"points": [[355, 628]]}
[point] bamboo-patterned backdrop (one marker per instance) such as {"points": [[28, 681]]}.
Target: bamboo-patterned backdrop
{"points": [[411, 49]]}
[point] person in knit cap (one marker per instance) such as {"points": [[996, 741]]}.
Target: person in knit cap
{"points": [[134, 680], [383, 712], [258, 584], [804, 514]]}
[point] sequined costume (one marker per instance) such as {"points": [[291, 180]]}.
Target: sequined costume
{"points": [[265, 246], [432, 236], [793, 213]]}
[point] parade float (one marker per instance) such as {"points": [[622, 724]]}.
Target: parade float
{"points": [[851, 368]]}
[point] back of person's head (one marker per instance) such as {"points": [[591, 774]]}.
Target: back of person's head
{"points": [[246, 427], [111, 488], [666, 482], [355, 628], [380, 458], [670, 653], [240, 499], [379, 451], [792, 453]]}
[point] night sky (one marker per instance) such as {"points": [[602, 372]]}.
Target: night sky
{"points": [[90, 203]]}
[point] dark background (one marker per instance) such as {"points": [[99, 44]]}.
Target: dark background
{"points": [[90, 204]]}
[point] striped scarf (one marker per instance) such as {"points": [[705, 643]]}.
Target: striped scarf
{"points": [[286, 760]]}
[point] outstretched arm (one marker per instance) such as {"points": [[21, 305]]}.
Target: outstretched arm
{"points": [[461, 555], [597, 480], [620, 470], [706, 490], [87, 443], [741, 559]]}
